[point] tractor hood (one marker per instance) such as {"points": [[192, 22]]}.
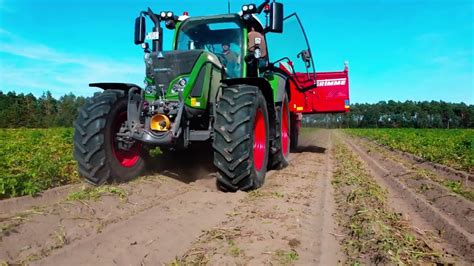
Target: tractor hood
{"points": [[165, 66]]}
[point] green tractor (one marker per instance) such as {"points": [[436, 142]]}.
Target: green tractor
{"points": [[217, 84]]}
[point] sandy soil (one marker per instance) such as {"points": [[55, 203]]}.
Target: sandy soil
{"points": [[418, 193], [171, 212], [176, 214]]}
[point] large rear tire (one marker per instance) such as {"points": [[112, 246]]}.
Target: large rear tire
{"points": [[281, 148], [241, 139], [95, 145]]}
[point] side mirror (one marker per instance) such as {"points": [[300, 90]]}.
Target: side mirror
{"points": [[140, 30], [276, 17], [170, 24], [306, 57]]}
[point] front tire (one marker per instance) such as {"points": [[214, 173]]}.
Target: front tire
{"points": [[95, 145], [241, 140]]}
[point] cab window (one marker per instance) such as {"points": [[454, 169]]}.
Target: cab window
{"points": [[222, 38]]}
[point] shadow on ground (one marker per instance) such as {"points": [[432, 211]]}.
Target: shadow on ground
{"points": [[196, 163], [186, 166], [309, 148]]}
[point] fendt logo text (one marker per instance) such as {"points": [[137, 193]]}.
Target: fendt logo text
{"points": [[332, 82]]}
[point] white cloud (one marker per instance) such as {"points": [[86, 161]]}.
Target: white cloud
{"points": [[37, 67], [4, 32]]}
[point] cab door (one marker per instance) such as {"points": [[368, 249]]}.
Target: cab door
{"points": [[311, 92], [292, 51]]}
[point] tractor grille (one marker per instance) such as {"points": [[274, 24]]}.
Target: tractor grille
{"points": [[171, 65]]}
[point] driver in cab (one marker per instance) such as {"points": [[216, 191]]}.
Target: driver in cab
{"points": [[231, 59], [229, 55]]}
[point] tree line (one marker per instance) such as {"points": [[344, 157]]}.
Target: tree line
{"points": [[393, 114], [20, 110], [26, 110]]}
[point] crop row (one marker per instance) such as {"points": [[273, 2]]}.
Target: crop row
{"points": [[451, 147], [32, 160]]}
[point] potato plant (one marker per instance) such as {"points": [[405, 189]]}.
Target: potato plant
{"points": [[32, 160], [451, 147]]}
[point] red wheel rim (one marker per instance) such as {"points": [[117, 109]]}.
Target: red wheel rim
{"points": [[285, 129], [125, 158], [259, 140]]}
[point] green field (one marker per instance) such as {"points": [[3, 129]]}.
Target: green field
{"points": [[451, 147], [32, 160]]}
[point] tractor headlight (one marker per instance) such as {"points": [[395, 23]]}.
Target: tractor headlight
{"points": [[249, 8], [147, 57], [182, 82], [150, 89], [179, 85]]}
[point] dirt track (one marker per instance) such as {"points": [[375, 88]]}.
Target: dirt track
{"points": [[177, 215]]}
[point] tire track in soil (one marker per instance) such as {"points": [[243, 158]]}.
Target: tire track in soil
{"points": [[165, 213], [53, 227], [288, 220], [425, 209], [157, 234], [47, 230]]}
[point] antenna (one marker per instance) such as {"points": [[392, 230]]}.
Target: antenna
{"points": [[228, 6]]}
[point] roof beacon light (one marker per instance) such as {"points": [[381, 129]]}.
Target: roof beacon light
{"points": [[185, 13]]}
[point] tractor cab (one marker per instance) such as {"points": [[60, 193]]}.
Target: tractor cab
{"points": [[232, 44]]}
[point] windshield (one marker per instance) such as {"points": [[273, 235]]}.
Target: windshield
{"points": [[222, 37], [291, 44]]}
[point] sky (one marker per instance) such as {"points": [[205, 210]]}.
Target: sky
{"points": [[397, 49]]}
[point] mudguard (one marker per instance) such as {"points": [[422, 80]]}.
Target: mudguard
{"points": [[114, 86], [259, 82]]}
